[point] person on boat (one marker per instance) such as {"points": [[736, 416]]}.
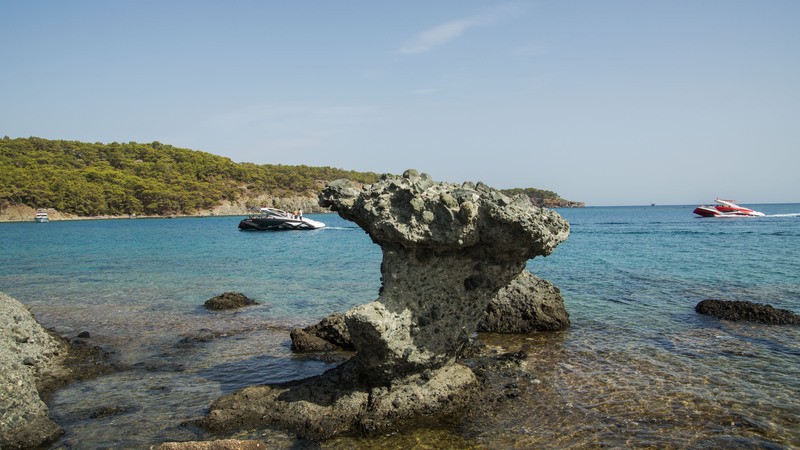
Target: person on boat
{"points": [[300, 214]]}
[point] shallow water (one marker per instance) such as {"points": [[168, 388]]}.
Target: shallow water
{"points": [[637, 368]]}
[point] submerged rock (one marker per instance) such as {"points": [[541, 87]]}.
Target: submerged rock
{"points": [[447, 250], [229, 300], [224, 444], [747, 311]]}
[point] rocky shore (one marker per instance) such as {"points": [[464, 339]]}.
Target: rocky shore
{"points": [[33, 363]]}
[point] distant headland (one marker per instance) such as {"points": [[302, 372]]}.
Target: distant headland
{"points": [[77, 180]]}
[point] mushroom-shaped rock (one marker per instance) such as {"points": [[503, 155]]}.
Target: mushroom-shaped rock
{"points": [[447, 250]]}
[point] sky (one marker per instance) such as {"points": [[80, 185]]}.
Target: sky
{"points": [[610, 102]]}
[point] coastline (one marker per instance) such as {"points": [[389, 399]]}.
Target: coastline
{"points": [[24, 213]]}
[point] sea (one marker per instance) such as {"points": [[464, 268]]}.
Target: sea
{"points": [[637, 368]]}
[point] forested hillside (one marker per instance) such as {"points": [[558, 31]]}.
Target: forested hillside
{"points": [[116, 179], [151, 179], [542, 197]]}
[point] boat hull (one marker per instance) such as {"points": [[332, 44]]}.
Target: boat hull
{"points": [[705, 211], [721, 211], [278, 224]]}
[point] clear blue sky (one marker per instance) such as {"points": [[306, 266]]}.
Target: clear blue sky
{"points": [[610, 102]]}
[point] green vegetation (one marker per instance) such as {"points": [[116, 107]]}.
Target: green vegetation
{"points": [[152, 179], [538, 196]]}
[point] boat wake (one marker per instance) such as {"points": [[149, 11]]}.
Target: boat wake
{"points": [[784, 215]]}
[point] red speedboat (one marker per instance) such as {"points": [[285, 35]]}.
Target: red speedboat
{"points": [[725, 208]]}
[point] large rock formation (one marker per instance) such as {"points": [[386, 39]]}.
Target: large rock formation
{"points": [[447, 250]]}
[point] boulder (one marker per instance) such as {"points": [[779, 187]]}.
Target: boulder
{"points": [[747, 311], [229, 300], [28, 354], [527, 304], [329, 334], [447, 250]]}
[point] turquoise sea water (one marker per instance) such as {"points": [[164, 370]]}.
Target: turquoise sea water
{"points": [[638, 367]]}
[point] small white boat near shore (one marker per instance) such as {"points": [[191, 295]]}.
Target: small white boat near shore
{"points": [[41, 216]]}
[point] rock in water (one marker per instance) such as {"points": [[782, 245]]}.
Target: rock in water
{"points": [[747, 311], [527, 304], [447, 250], [329, 334], [229, 300]]}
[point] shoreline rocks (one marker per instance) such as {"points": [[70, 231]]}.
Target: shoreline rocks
{"points": [[747, 311], [27, 354], [329, 334], [33, 363], [447, 250]]}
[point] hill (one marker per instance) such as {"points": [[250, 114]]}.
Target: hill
{"points": [[541, 197], [146, 179], [89, 180]]}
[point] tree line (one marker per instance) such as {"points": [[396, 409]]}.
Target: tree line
{"points": [[115, 179], [152, 179]]}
